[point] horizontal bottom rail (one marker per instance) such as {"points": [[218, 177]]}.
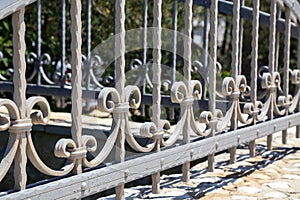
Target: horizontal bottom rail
{"points": [[95, 181]]}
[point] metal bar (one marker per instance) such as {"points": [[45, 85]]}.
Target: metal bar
{"points": [[76, 60], [226, 7], [277, 41], [120, 81], [242, 3], [286, 64], [37, 62], [205, 48], [19, 95], [287, 48], [88, 27], [145, 28], [100, 179], [235, 39], [174, 38], [156, 68], [156, 80], [213, 71], [213, 54], [272, 46], [174, 47], [187, 65], [254, 64], [234, 66], [144, 51], [298, 67], [254, 51], [63, 41]]}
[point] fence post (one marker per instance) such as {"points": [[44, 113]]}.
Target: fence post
{"points": [[254, 65], [212, 71], [234, 66], [76, 60], [272, 46], [286, 65], [156, 106], [298, 66], [120, 80], [19, 95], [188, 17]]}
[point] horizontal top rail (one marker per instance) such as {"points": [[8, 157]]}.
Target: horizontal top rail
{"points": [[294, 6], [226, 7], [8, 7]]}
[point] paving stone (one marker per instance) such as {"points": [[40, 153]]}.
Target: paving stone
{"points": [[243, 198], [218, 194], [206, 179], [276, 195], [249, 189], [291, 176], [297, 165], [171, 194], [260, 176], [279, 185], [290, 169]]}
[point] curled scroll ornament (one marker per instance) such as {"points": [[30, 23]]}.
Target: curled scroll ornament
{"points": [[271, 83], [180, 93], [232, 89], [92, 71], [20, 127], [39, 63], [111, 101]]}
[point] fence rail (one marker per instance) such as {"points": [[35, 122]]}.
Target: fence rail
{"points": [[239, 113]]}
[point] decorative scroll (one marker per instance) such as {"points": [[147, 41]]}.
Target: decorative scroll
{"points": [[16, 126]]}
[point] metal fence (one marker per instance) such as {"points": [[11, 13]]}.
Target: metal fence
{"points": [[270, 103]]}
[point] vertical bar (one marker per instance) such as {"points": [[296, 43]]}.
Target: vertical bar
{"points": [[19, 96], [174, 47], [120, 46], [62, 48], [286, 64], [234, 65], [144, 52], [88, 50], [120, 80], [156, 97], [63, 40], [272, 36], [156, 61], [39, 40], [76, 60], [187, 55], [235, 38], [254, 66], [205, 48], [88, 27], [298, 66], [212, 70], [145, 28], [272, 49], [241, 40], [174, 38], [277, 40]]}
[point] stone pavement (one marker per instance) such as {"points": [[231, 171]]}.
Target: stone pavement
{"points": [[270, 175]]}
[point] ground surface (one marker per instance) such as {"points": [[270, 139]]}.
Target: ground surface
{"points": [[270, 175]]}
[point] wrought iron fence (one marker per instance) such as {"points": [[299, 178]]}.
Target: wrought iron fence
{"points": [[270, 103]]}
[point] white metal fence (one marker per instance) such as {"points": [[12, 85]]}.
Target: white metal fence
{"points": [[244, 120]]}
